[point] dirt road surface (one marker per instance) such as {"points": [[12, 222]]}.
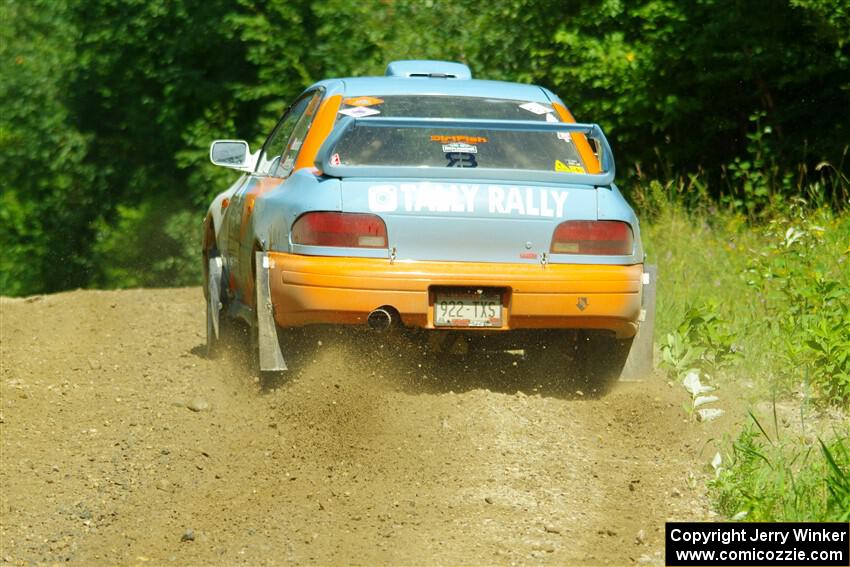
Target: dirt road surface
{"points": [[367, 455]]}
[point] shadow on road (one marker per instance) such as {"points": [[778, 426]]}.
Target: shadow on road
{"points": [[533, 363], [542, 364]]}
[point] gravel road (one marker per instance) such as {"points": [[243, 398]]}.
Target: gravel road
{"points": [[122, 444]]}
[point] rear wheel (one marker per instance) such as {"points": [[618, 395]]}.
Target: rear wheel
{"points": [[603, 357], [600, 357]]}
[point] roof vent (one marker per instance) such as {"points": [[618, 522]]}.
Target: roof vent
{"points": [[429, 70]]}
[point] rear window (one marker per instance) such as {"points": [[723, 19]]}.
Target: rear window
{"points": [[365, 145]]}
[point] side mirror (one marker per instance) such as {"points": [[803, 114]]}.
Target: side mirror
{"points": [[234, 154]]}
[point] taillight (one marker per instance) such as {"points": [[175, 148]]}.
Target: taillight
{"points": [[610, 238], [347, 230]]}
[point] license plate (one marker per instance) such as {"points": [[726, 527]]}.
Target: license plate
{"points": [[467, 309]]}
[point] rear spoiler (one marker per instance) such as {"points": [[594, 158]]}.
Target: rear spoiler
{"points": [[593, 131]]}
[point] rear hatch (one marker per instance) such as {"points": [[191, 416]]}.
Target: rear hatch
{"points": [[470, 190], [468, 220]]}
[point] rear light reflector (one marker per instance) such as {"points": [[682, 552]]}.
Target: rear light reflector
{"points": [[605, 238], [346, 230]]}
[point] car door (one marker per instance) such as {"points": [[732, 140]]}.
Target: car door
{"points": [[275, 164]]}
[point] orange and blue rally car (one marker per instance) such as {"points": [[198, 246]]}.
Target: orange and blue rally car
{"points": [[429, 201]]}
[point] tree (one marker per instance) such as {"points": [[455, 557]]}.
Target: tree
{"points": [[50, 195]]}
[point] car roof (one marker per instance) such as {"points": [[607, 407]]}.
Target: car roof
{"points": [[388, 86], [435, 78]]}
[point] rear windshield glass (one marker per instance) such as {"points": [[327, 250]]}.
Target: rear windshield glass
{"points": [[364, 145]]}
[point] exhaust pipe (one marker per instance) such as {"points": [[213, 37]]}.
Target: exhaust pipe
{"points": [[380, 319]]}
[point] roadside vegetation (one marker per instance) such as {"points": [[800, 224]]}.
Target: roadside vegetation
{"points": [[753, 302], [778, 476], [730, 122]]}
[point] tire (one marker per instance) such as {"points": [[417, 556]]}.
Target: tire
{"points": [[599, 358]]}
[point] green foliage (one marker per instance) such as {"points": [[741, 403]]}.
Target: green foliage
{"points": [[827, 354], [683, 79], [151, 245], [753, 177], [50, 193], [778, 288], [701, 341], [678, 356], [802, 275], [838, 478], [765, 301], [148, 73], [790, 478]]}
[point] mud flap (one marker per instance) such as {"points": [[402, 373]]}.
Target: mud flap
{"points": [[270, 356], [639, 363], [213, 302]]}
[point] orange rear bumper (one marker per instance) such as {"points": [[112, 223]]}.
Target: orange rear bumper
{"points": [[319, 289]]}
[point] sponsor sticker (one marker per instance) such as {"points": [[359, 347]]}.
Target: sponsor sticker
{"points": [[536, 108], [363, 101], [460, 147], [383, 198], [459, 139], [565, 136], [359, 111], [569, 167]]}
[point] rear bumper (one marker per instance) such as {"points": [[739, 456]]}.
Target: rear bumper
{"points": [[319, 289]]}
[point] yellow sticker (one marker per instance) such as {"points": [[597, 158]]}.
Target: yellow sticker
{"points": [[363, 101], [565, 168]]}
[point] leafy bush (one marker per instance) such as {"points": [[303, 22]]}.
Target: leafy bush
{"points": [[803, 276], [702, 341]]}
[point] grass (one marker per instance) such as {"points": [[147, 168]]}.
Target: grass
{"points": [[767, 302], [764, 303], [792, 478]]}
